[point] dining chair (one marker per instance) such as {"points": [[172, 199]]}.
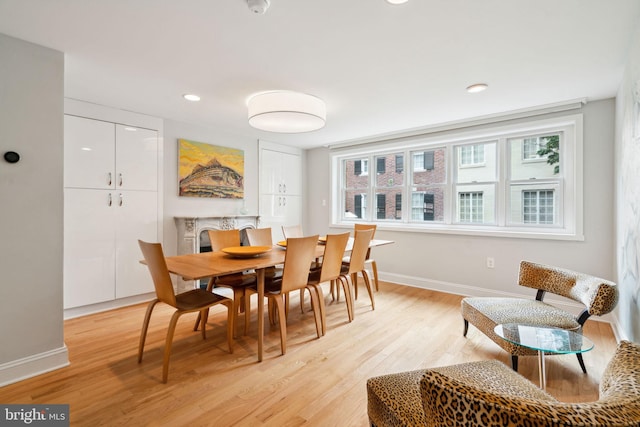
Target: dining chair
{"points": [[369, 260], [237, 282], [292, 231], [355, 265], [329, 272], [187, 302], [295, 275], [296, 231]]}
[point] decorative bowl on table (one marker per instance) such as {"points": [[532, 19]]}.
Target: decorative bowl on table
{"points": [[282, 243], [246, 251], [322, 240]]}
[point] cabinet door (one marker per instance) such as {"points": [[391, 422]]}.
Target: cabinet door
{"points": [[136, 158], [270, 172], [291, 174], [89, 247], [277, 210], [136, 218], [89, 153]]}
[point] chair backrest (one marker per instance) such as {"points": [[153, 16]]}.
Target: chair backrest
{"points": [[292, 231], [332, 258], [360, 249], [259, 236], [301, 252], [365, 227], [154, 257], [221, 239], [599, 296], [360, 226]]}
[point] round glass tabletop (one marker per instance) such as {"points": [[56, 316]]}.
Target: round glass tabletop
{"points": [[543, 338]]}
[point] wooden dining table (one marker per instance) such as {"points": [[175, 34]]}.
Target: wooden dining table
{"points": [[212, 264]]}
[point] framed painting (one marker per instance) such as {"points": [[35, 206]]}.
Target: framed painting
{"points": [[206, 170]]}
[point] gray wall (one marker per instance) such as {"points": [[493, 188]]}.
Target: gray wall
{"points": [[457, 263], [627, 179], [31, 213]]}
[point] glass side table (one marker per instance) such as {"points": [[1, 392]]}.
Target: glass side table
{"points": [[545, 340]]}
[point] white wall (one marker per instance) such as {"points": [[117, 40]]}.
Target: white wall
{"points": [[31, 212], [175, 205], [627, 179], [457, 263]]}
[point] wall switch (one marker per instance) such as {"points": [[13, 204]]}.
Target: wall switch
{"points": [[324, 202], [490, 262]]}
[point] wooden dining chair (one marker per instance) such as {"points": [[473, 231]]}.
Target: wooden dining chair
{"points": [[328, 272], [237, 282], [355, 265], [369, 260], [191, 301], [297, 263], [292, 231]]}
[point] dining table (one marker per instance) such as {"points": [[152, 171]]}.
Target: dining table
{"points": [[209, 265]]}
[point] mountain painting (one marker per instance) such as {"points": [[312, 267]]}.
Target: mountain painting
{"points": [[206, 170]]}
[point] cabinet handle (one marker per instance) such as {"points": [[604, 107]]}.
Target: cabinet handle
{"points": [[120, 179], [109, 202], [121, 199], [284, 201], [285, 188], [109, 179]]}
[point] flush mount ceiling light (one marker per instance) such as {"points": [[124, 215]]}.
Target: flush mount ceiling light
{"points": [[397, 1], [478, 87], [286, 112], [191, 97]]}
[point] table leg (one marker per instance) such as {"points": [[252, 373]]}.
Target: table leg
{"points": [[260, 274], [541, 370]]}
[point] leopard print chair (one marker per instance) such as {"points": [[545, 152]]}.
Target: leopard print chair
{"points": [[598, 296], [488, 394]]}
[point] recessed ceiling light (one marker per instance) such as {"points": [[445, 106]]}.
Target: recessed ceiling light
{"points": [[191, 97], [478, 87], [397, 1]]}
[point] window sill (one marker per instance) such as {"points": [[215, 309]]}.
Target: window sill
{"points": [[487, 231]]}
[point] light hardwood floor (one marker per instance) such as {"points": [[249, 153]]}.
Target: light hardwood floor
{"points": [[319, 382]]}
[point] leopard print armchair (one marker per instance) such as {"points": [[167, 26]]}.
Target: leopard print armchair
{"points": [[597, 296], [489, 394]]}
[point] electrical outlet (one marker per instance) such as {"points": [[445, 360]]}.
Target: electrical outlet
{"points": [[490, 262]]}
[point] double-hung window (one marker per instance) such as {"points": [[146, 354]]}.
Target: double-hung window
{"points": [[519, 180]]}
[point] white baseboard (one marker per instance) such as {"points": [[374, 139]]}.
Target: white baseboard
{"points": [[71, 313], [36, 364]]}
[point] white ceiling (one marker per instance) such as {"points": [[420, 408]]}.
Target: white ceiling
{"points": [[380, 68]]}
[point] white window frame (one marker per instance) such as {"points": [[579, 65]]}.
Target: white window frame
{"points": [[571, 194]]}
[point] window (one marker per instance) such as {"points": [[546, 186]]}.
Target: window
{"points": [[517, 180], [537, 206], [470, 207], [471, 155], [361, 167]]}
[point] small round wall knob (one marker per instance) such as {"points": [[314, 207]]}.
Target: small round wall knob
{"points": [[12, 157]]}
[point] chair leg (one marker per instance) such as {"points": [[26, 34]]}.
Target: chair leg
{"points": [[367, 282], [348, 295], [204, 316], [514, 363], [282, 317], [209, 289], [374, 267], [247, 313], [354, 284], [466, 327], [302, 300], [230, 323], [313, 291], [167, 345], [581, 362], [145, 327]]}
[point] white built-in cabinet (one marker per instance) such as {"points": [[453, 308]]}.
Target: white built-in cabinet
{"points": [[111, 201], [280, 187]]}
